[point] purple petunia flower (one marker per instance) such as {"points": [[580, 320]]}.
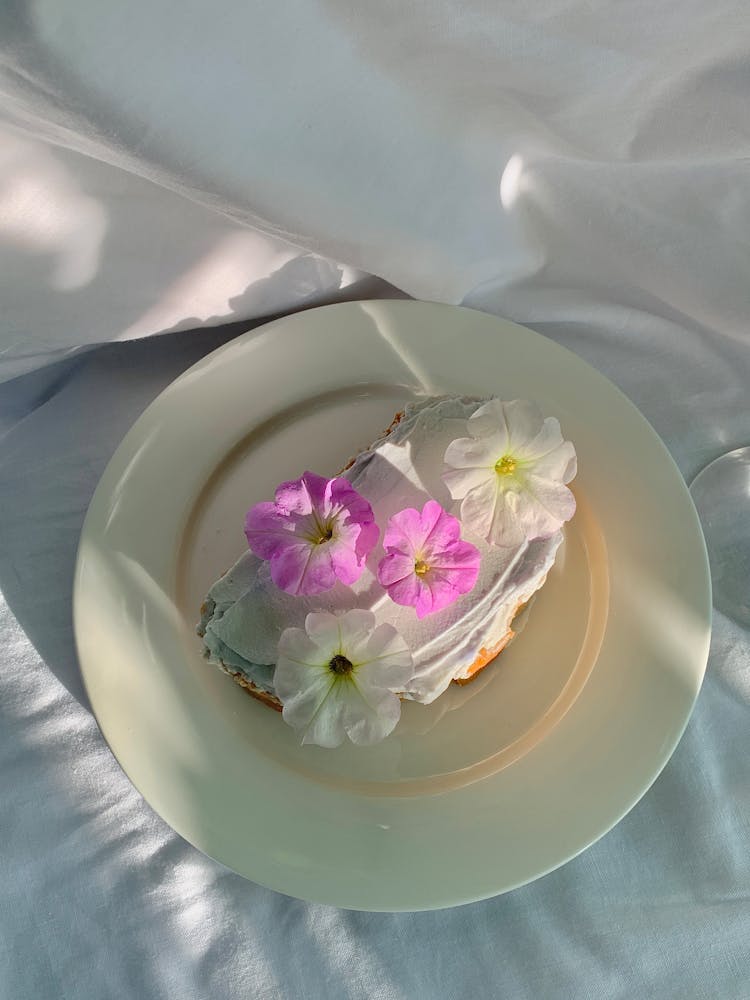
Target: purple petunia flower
{"points": [[315, 532], [427, 565]]}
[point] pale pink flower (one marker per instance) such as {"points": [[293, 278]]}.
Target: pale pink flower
{"points": [[315, 532], [427, 565], [511, 473]]}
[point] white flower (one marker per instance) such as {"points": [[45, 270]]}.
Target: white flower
{"points": [[340, 676], [510, 474]]}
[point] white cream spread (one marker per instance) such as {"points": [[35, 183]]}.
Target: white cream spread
{"points": [[246, 612]]}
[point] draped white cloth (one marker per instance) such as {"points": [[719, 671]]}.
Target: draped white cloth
{"points": [[581, 167]]}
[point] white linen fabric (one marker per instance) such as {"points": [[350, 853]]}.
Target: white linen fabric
{"points": [[582, 167], [101, 899], [563, 159]]}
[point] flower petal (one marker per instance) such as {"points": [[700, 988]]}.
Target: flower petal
{"points": [[287, 565], [461, 564], [384, 659], [394, 567], [548, 437], [355, 627], [346, 563], [369, 713], [406, 591], [478, 506], [301, 690], [367, 539], [490, 420], [443, 530], [302, 687], [300, 496], [320, 714], [554, 504], [324, 630], [475, 453], [404, 532], [469, 453], [524, 421], [425, 603], [491, 512], [341, 495], [292, 681], [318, 489], [461, 482], [560, 463], [295, 644], [265, 528], [438, 592], [302, 568]]}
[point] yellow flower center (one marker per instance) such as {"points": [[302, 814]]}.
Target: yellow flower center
{"points": [[321, 532], [505, 466], [421, 567]]}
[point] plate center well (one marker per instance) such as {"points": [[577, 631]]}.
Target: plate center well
{"points": [[469, 731]]}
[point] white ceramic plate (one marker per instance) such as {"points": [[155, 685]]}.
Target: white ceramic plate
{"points": [[494, 784]]}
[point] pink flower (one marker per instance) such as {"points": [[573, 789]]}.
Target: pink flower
{"points": [[426, 563], [316, 531]]}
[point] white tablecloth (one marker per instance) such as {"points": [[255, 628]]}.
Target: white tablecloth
{"points": [[580, 167]]}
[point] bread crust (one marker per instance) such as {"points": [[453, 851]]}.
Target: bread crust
{"points": [[264, 696]]}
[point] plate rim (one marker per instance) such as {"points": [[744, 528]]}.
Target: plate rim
{"points": [[112, 471]]}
